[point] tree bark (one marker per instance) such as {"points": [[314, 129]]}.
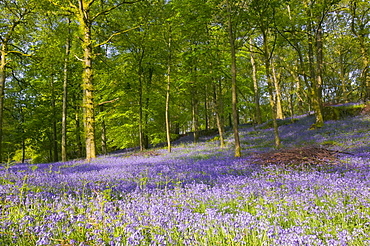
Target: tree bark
{"points": [[87, 77]]}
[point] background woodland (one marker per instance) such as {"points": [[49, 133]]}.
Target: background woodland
{"points": [[79, 78]]}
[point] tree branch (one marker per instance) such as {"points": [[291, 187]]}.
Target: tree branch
{"points": [[78, 58], [19, 52], [115, 34], [108, 101]]}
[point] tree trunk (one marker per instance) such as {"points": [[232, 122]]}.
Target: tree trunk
{"points": [[77, 133], [315, 79], [319, 74], [342, 76], [2, 88], [103, 134], [258, 117], [65, 98], [87, 77], [218, 105], [279, 107], [365, 73], [54, 122], [140, 77], [360, 34], [194, 107], [270, 87], [207, 120], [147, 103], [233, 84]]}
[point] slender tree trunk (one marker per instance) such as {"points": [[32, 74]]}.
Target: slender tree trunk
{"points": [[270, 87], [195, 106], [103, 134], [365, 73], [319, 69], [207, 121], [218, 105], [233, 84], [2, 87], [258, 117], [315, 78], [194, 103], [342, 77], [78, 133], [65, 99], [279, 107], [87, 77], [147, 103], [140, 77], [23, 148], [54, 122], [168, 94]]}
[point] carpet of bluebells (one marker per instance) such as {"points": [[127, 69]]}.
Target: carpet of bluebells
{"points": [[197, 195]]}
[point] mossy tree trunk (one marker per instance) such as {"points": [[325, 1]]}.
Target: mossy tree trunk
{"points": [[85, 22]]}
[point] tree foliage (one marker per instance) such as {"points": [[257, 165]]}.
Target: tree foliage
{"points": [[88, 77]]}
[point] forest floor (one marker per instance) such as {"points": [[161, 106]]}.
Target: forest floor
{"points": [[314, 190]]}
